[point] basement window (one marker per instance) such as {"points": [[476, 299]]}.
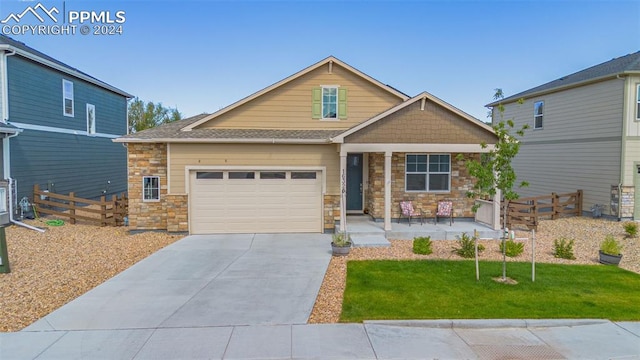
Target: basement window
{"points": [[151, 188]]}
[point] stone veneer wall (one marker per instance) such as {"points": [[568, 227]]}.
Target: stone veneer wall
{"points": [[331, 211], [147, 160], [461, 182], [627, 202], [177, 213]]}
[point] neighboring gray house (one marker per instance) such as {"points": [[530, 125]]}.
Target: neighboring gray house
{"points": [[56, 127], [584, 134]]}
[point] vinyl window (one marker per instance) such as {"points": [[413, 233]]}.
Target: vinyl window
{"points": [[329, 102], [91, 119], [428, 172], [538, 114], [150, 188], [638, 103], [67, 98]]}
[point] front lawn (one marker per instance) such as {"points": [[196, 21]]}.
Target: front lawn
{"points": [[439, 289]]}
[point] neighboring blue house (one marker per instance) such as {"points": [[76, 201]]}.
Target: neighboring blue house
{"points": [[56, 127]]}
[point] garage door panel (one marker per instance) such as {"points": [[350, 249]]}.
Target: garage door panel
{"points": [[255, 205]]}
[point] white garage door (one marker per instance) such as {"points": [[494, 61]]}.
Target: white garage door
{"points": [[255, 201]]}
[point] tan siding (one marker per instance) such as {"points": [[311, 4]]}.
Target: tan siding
{"points": [[631, 160], [590, 166], [631, 96], [631, 154], [411, 125], [182, 155], [289, 106]]}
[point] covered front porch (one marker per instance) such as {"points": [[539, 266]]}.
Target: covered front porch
{"points": [[414, 152], [366, 232]]}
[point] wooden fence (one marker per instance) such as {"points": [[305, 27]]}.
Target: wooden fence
{"points": [[103, 212], [528, 211]]}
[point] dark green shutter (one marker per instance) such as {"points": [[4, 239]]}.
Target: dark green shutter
{"points": [[316, 103], [342, 103]]}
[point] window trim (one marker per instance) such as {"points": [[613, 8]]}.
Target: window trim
{"points": [[91, 130], [426, 174], [536, 116], [66, 97], [637, 102], [144, 192], [337, 103]]}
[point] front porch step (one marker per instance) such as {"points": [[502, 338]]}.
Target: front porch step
{"points": [[439, 233], [376, 240]]}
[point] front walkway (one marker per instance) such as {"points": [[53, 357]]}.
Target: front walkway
{"points": [[367, 233]]}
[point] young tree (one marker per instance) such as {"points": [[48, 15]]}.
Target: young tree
{"points": [[148, 115], [494, 171]]}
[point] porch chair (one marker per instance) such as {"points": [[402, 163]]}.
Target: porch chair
{"points": [[445, 209], [407, 210]]}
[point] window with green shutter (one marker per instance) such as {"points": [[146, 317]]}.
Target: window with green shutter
{"points": [[329, 102]]}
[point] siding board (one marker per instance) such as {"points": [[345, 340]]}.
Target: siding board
{"points": [[182, 155], [35, 97], [571, 157], [73, 163], [289, 106]]}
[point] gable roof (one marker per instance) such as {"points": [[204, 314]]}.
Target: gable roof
{"points": [[628, 64], [328, 60], [171, 133], [17, 47], [424, 96]]}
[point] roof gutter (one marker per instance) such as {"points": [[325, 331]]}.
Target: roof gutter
{"points": [[515, 98], [224, 141], [30, 56]]}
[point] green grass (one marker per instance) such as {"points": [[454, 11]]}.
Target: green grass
{"points": [[440, 289]]}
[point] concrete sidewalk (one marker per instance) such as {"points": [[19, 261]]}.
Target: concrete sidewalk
{"points": [[440, 339]]}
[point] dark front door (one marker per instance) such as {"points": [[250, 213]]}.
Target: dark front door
{"points": [[354, 182]]}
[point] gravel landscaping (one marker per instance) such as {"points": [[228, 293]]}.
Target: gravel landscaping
{"points": [[52, 268], [587, 233], [48, 270]]}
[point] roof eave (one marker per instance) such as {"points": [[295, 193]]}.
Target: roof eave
{"points": [[225, 141], [64, 69], [515, 98]]}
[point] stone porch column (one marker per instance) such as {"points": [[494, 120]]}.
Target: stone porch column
{"points": [[343, 192], [387, 190]]}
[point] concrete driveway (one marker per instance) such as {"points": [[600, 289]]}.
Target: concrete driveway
{"points": [[206, 280]]}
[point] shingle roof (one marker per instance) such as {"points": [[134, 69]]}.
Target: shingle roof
{"points": [[625, 64], [5, 40], [172, 131]]}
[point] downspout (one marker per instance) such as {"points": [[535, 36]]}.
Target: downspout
{"points": [[11, 211], [5, 141]]}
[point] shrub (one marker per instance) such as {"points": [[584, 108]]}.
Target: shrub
{"points": [[563, 248], [467, 246], [513, 248], [341, 239], [610, 246], [631, 228], [422, 245]]}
